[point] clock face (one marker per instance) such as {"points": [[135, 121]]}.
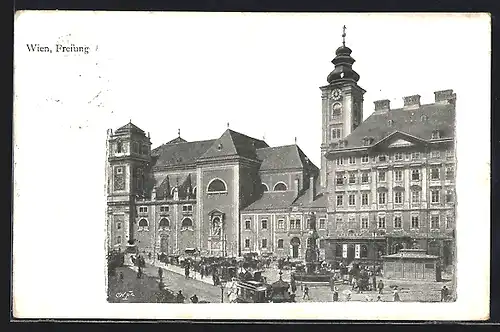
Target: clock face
{"points": [[336, 94]]}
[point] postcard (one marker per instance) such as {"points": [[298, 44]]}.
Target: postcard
{"points": [[264, 165]]}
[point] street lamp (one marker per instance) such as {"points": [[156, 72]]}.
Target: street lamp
{"points": [[222, 286]]}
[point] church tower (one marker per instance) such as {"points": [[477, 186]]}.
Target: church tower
{"points": [[342, 104], [127, 169]]}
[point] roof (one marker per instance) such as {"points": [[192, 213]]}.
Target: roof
{"points": [[177, 140], [272, 201], [411, 253], [129, 127], [409, 121], [232, 143], [320, 200], [283, 157], [180, 153]]}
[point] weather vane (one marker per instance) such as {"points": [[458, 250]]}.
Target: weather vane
{"points": [[343, 35], [179, 132]]}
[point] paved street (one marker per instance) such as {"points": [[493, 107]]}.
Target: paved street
{"points": [[144, 289]]}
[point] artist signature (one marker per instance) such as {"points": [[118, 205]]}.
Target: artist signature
{"points": [[125, 295]]}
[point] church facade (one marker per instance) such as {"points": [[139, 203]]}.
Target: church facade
{"points": [[384, 183]]}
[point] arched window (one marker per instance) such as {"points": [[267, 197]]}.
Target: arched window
{"points": [[364, 251], [143, 223], [217, 185], [119, 147], [187, 222], [164, 222], [280, 243], [264, 187], [280, 186], [118, 240], [194, 191]]}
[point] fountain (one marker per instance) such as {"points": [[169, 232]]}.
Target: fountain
{"points": [[312, 263]]}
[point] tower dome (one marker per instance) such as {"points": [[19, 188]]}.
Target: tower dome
{"points": [[343, 64]]}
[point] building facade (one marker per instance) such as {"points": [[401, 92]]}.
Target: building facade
{"points": [[384, 184]]}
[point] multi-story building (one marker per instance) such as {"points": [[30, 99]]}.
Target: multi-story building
{"points": [[385, 183]]}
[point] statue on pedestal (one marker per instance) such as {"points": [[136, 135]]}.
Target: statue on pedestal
{"points": [[312, 251]]}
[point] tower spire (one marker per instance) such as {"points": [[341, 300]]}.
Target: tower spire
{"points": [[343, 35]]}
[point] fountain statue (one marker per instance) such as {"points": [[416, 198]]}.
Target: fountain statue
{"points": [[312, 251]]}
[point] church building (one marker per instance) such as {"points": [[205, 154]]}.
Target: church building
{"points": [[384, 183]]}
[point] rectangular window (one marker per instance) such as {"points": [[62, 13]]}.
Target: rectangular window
{"points": [[264, 223], [415, 155], [381, 222], [398, 175], [280, 244], [118, 240], [247, 243], [449, 196], [143, 209], [398, 156], [164, 208], [364, 199], [187, 208], [382, 158], [336, 133], [381, 198], [434, 173], [352, 159], [414, 222], [264, 243], [381, 176], [340, 161], [364, 222], [322, 223], [398, 197], [248, 224], [449, 153], [364, 177], [364, 158], [340, 200], [339, 220], [449, 221], [352, 178], [292, 223], [415, 174], [397, 222], [352, 199], [435, 154], [415, 197], [450, 173], [435, 221], [297, 223], [281, 223], [340, 179], [434, 196]]}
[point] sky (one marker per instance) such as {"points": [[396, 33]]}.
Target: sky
{"points": [[260, 73], [197, 72]]}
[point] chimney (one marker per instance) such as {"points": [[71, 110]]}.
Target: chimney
{"points": [[153, 194], [382, 105], [296, 187], [411, 102], [312, 189], [445, 97]]}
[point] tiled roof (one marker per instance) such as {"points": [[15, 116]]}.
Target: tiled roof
{"points": [[410, 121], [232, 143], [272, 201], [180, 153], [177, 140], [129, 127], [283, 157]]}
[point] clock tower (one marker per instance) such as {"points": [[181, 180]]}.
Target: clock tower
{"points": [[342, 104]]}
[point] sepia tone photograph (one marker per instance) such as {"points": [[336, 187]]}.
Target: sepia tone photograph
{"points": [[307, 159]]}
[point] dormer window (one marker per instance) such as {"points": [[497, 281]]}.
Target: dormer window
{"points": [[390, 123], [367, 141], [382, 158], [423, 118], [219, 147], [342, 144], [436, 134]]}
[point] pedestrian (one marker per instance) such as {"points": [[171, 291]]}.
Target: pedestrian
{"points": [[194, 299], [335, 294], [121, 276], [186, 271], [180, 297], [444, 294], [374, 282], [395, 294], [160, 273], [306, 293], [139, 273], [380, 286], [149, 255], [379, 298]]}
